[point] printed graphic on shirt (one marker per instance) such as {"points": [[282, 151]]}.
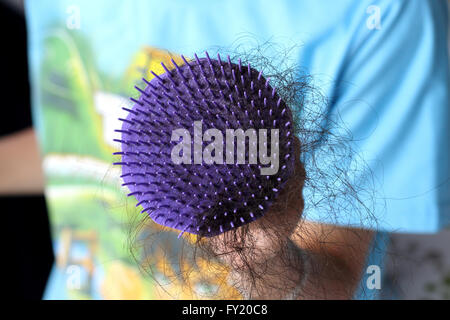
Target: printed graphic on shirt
{"points": [[94, 224]]}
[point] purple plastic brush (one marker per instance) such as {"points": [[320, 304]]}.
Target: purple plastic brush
{"points": [[198, 196]]}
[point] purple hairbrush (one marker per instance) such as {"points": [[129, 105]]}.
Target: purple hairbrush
{"points": [[198, 195]]}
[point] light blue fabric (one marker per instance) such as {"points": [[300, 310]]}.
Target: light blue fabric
{"points": [[389, 85], [375, 260]]}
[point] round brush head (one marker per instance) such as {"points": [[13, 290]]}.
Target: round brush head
{"points": [[199, 195]]}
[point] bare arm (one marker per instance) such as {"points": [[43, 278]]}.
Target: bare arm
{"points": [[336, 255], [326, 262], [281, 256], [20, 164], [328, 265]]}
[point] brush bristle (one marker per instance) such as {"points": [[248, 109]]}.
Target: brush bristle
{"points": [[203, 199]]}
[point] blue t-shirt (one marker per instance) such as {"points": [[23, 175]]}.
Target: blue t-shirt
{"points": [[383, 65]]}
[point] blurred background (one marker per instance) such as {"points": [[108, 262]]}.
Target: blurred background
{"points": [[29, 250], [418, 265]]}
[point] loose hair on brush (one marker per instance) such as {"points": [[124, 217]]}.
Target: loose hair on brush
{"points": [[201, 233]]}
